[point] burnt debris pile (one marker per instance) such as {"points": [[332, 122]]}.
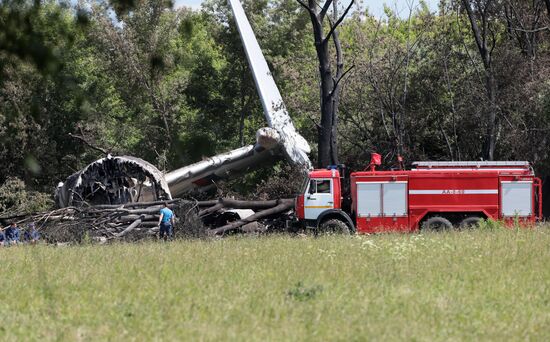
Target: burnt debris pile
{"points": [[139, 221]]}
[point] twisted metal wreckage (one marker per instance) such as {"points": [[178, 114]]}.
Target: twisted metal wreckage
{"points": [[123, 181]]}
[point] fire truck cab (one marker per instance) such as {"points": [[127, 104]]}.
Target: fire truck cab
{"points": [[434, 195]]}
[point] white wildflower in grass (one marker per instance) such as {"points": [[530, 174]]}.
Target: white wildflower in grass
{"points": [[368, 244]]}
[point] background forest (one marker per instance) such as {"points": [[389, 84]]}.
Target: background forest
{"points": [[173, 86]]}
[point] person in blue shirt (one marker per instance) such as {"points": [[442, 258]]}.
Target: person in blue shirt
{"points": [[31, 235], [166, 222], [2, 238], [12, 234]]}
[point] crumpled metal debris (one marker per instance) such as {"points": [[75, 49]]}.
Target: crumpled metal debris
{"points": [[113, 180]]}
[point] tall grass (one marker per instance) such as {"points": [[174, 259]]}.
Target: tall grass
{"points": [[480, 284]]}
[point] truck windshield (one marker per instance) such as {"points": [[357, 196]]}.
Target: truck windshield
{"points": [[305, 183]]}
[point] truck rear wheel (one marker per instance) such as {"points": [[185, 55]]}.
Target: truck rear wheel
{"points": [[437, 223], [470, 222], [334, 226]]}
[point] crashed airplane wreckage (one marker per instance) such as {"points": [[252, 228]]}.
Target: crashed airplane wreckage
{"points": [[119, 180], [126, 179], [126, 182]]}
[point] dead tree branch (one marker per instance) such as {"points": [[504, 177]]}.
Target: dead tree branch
{"points": [[89, 144]]}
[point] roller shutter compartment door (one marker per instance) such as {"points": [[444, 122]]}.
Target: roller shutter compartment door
{"points": [[368, 199], [394, 199], [516, 199]]}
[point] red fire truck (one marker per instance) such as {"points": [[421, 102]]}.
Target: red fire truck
{"points": [[432, 195]]}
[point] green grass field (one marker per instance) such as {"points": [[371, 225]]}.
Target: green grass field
{"points": [[484, 284]]}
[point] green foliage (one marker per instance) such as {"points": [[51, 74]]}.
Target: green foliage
{"points": [[16, 199], [23, 35], [284, 181], [490, 225]]}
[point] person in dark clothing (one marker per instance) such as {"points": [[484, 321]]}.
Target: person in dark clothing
{"points": [[12, 234], [31, 235], [2, 238], [166, 222]]}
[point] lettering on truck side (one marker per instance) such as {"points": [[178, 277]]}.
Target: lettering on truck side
{"points": [[454, 192]]}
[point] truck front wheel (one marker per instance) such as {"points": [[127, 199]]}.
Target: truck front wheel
{"points": [[334, 226]]}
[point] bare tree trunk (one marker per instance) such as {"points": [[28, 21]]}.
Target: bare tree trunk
{"points": [[490, 137], [327, 105], [336, 96], [482, 35], [330, 84], [455, 154]]}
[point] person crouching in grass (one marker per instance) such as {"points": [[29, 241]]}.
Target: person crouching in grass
{"points": [[12, 234], [31, 235], [166, 222]]}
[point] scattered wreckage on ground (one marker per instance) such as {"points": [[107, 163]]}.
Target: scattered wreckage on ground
{"points": [[139, 220]]}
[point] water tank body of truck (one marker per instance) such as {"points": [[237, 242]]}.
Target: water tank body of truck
{"points": [[431, 195]]}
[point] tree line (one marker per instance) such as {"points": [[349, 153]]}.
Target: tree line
{"points": [[172, 85]]}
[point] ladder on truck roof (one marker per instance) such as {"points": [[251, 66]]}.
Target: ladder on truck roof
{"points": [[430, 165]]}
